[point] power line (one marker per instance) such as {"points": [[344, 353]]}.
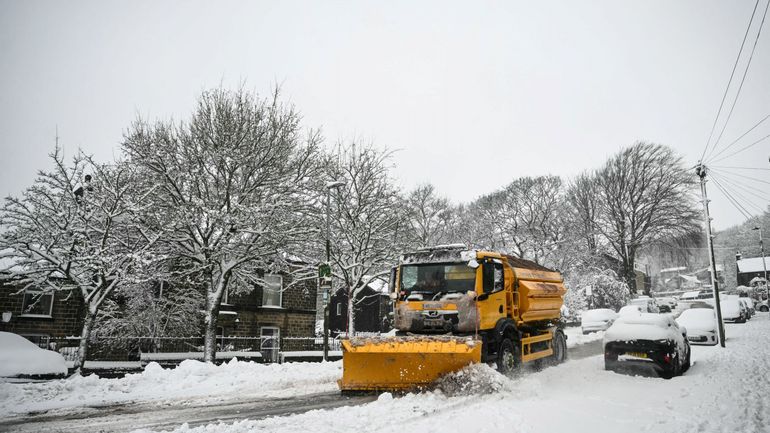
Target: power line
{"points": [[738, 139], [743, 79], [751, 178], [735, 66], [732, 200], [744, 190], [745, 185], [737, 194], [744, 148], [738, 168]]}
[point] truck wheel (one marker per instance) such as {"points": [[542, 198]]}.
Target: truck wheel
{"points": [[508, 357], [559, 345]]}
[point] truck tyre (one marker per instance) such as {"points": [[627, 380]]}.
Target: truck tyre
{"points": [[508, 357], [559, 346]]}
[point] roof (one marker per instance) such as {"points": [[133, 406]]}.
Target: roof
{"points": [[753, 264]]}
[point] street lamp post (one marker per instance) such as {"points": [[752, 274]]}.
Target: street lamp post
{"points": [[327, 289], [764, 265]]}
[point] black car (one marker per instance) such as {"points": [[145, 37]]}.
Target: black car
{"points": [[647, 342]]}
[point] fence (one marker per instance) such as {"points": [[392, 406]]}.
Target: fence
{"points": [[267, 348]]}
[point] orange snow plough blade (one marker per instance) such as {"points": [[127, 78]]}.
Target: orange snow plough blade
{"points": [[403, 363]]}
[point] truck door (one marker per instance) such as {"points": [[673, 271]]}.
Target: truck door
{"points": [[492, 300]]}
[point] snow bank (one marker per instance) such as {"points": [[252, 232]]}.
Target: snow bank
{"points": [[575, 336], [191, 379], [20, 356], [724, 391]]}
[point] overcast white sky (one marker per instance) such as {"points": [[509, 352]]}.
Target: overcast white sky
{"points": [[471, 94]]}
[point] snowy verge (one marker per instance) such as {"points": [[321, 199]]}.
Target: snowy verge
{"points": [[200, 382], [190, 380], [20, 356], [575, 336]]}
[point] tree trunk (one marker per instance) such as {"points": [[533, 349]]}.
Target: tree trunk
{"points": [[210, 339], [351, 313], [85, 334], [631, 273]]}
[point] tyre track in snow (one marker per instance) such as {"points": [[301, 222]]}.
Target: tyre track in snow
{"points": [[169, 415]]}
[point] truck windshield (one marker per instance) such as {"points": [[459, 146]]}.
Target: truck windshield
{"points": [[437, 277]]}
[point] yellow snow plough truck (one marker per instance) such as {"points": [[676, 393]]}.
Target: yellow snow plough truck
{"points": [[455, 307]]}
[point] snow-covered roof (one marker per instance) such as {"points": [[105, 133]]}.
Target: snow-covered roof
{"points": [[753, 264], [379, 285]]}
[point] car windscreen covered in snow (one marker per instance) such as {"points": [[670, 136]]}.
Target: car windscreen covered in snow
{"points": [[645, 326], [702, 319], [598, 315]]}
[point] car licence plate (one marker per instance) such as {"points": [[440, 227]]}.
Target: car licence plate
{"points": [[637, 354]]}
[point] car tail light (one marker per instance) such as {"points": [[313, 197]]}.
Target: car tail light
{"points": [[667, 358]]}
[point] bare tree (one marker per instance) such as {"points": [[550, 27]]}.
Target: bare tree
{"points": [[583, 207], [429, 216], [365, 218], [78, 231], [233, 187], [644, 195], [526, 219]]}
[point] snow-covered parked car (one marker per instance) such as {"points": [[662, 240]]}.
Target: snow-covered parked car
{"points": [[701, 325], [648, 305], [597, 320], [749, 305], [733, 311], [630, 309], [20, 357], [667, 301], [649, 341], [762, 306]]}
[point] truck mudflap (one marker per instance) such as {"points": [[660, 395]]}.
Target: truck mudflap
{"points": [[403, 363]]}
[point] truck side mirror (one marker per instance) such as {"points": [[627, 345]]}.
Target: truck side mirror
{"points": [[392, 280], [492, 277], [488, 277]]}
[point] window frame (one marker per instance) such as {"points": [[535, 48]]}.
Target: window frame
{"points": [[276, 337], [280, 291], [339, 308], [24, 304]]}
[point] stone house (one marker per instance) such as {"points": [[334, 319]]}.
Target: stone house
{"points": [[373, 309]]}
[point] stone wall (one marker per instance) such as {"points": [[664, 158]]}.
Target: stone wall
{"points": [[66, 315]]}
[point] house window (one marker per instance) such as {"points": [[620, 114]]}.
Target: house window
{"points": [[339, 309], [37, 304], [271, 291], [226, 297]]}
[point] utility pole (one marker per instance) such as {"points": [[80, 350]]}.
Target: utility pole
{"points": [[764, 265], [700, 170], [326, 285]]}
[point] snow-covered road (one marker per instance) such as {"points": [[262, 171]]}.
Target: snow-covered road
{"points": [[726, 390]]}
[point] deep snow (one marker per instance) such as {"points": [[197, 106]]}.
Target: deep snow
{"points": [[191, 380], [725, 390], [20, 356]]}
